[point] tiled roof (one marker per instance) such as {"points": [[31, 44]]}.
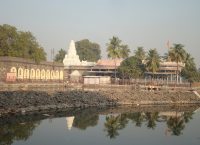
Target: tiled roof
{"points": [[109, 62]]}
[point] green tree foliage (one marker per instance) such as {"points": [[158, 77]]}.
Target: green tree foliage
{"points": [[15, 131], [124, 51], [85, 119], [88, 50], [131, 68], [176, 125], [19, 44], [60, 55], [117, 50], [151, 118], [137, 117], [140, 54], [115, 123], [190, 72], [153, 61], [177, 54]]}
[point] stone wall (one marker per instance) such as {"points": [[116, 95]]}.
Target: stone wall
{"points": [[25, 101], [14, 69]]}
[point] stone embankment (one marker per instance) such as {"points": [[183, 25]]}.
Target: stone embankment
{"points": [[27, 101]]}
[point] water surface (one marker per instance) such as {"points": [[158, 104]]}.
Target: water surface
{"points": [[102, 126]]}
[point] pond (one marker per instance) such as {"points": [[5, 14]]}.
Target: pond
{"points": [[152, 125]]}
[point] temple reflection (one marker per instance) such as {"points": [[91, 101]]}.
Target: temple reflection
{"points": [[70, 121]]}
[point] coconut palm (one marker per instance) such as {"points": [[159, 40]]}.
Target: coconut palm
{"points": [[116, 50], [140, 54], [189, 71], [177, 54], [124, 51], [189, 62], [153, 61]]}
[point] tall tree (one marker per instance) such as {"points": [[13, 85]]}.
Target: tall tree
{"points": [[177, 54], [87, 50], [190, 71], [117, 50], [124, 51], [140, 54], [153, 61], [60, 55], [19, 44]]}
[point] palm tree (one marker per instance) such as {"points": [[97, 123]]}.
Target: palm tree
{"points": [[140, 54], [153, 61], [190, 69], [116, 50], [177, 54], [189, 62], [124, 51]]}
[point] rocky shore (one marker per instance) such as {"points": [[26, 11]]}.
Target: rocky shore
{"points": [[12, 102]]}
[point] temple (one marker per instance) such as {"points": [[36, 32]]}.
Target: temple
{"points": [[72, 58]]}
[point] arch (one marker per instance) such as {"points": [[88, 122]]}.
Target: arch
{"points": [[57, 75], [43, 74], [26, 73], [52, 75], [20, 73], [48, 74], [14, 71], [61, 75], [37, 76], [32, 74]]}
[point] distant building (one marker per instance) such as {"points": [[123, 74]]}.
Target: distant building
{"points": [[105, 67], [94, 80], [167, 71]]}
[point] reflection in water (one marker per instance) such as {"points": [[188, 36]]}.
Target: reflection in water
{"points": [[175, 123], [70, 121], [85, 119], [22, 128], [19, 131]]}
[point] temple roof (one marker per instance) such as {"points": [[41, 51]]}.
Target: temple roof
{"points": [[109, 62]]}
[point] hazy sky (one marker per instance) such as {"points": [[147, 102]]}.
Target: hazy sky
{"points": [[147, 23]]}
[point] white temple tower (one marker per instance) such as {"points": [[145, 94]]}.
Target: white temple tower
{"points": [[71, 58]]}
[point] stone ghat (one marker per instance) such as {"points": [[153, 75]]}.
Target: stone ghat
{"points": [[29, 101]]}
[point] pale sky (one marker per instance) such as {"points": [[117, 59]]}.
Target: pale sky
{"points": [[147, 23]]}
